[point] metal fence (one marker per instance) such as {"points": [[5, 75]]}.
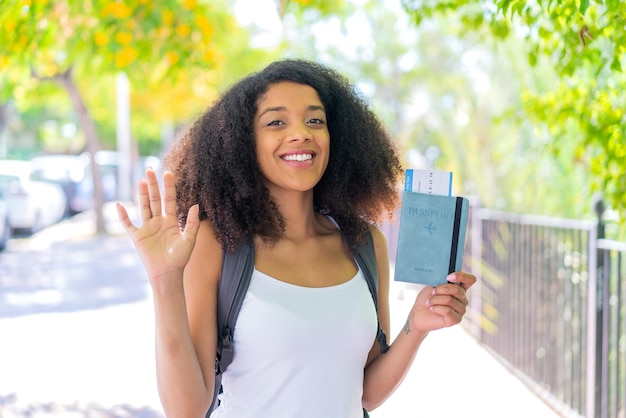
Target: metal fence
{"points": [[551, 305]]}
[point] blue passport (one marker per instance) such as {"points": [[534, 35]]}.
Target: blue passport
{"points": [[431, 238]]}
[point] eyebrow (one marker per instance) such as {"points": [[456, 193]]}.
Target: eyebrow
{"points": [[283, 108]]}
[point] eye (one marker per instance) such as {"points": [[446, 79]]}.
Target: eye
{"points": [[316, 121], [275, 123]]}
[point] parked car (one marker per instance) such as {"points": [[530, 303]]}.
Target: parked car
{"points": [[109, 163], [32, 204], [5, 228], [72, 173]]}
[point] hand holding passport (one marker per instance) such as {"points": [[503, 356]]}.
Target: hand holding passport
{"points": [[432, 229]]}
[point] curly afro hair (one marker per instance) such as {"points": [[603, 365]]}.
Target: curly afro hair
{"points": [[215, 163]]}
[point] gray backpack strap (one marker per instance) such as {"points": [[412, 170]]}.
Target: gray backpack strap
{"points": [[237, 268], [366, 259]]}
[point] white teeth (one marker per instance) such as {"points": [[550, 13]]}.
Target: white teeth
{"points": [[298, 157]]}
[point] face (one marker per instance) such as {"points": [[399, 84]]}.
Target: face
{"points": [[292, 137]]}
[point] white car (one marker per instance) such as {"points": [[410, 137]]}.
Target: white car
{"points": [[72, 173], [32, 205]]}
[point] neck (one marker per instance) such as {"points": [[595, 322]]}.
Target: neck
{"points": [[301, 219]]}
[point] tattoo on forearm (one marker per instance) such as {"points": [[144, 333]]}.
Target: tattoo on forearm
{"points": [[407, 327]]}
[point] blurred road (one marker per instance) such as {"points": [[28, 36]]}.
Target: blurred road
{"points": [[76, 324], [66, 268], [76, 339]]}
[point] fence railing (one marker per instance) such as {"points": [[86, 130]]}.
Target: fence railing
{"points": [[551, 305]]}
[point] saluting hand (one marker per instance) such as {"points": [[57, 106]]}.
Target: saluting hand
{"points": [[162, 246]]}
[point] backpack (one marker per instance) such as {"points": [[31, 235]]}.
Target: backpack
{"points": [[238, 267]]}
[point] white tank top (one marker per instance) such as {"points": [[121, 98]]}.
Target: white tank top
{"points": [[299, 351]]}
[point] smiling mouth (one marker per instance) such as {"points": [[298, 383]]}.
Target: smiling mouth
{"points": [[297, 157]]}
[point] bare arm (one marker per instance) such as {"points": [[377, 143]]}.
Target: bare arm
{"points": [[434, 308], [184, 296]]}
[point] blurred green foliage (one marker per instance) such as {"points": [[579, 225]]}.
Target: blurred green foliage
{"points": [[584, 44], [176, 54]]}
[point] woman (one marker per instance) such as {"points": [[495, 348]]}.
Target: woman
{"points": [[286, 156]]}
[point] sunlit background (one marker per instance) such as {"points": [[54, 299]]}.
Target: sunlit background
{"points": [[521, 100]]}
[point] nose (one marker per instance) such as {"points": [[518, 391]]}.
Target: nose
{"points": [[299, 133]]}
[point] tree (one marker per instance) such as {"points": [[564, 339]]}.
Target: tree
{"points": [[164, 47], [585, 45]]}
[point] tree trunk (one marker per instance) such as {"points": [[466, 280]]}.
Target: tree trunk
{"points": [[93, 144]]}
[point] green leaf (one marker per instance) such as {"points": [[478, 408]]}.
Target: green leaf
{"points": [[616, 65], [584, 4], [504, 6], [532, 58]]}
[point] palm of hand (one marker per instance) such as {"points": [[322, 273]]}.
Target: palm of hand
{"points": [[162, 246]]}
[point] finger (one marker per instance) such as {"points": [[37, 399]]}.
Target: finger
{"points": [[466, 280], [447, 301], [169, 191], [449, 316], [451, 289], [449, 295], [122, 214], [193, 224], [144, 200], [154, 193]]}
